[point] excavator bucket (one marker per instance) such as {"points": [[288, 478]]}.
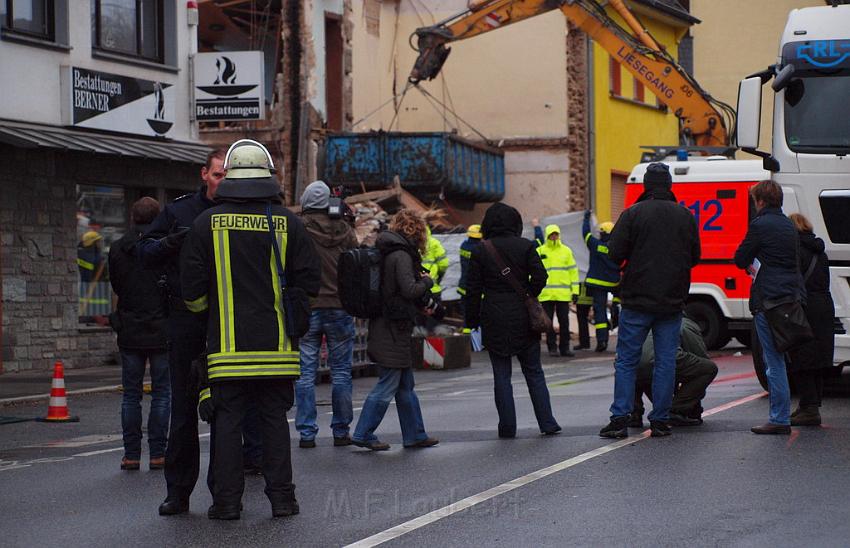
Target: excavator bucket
{"points": [[432, 54]]}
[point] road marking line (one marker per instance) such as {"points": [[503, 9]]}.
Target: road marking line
{"points": [[99, 452], [82, 441], [35, 397], [459, 506]]}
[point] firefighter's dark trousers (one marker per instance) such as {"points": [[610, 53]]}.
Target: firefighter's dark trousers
{"points": [[187, 339], [600, 312], [273, 398]]}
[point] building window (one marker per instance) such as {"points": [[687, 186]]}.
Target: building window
{"points": [[615, 78], [640, 92], [101, 221], [129, 27], [33, 18]]}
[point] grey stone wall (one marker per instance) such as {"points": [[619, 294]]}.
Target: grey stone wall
{"points": [[38, 250]]}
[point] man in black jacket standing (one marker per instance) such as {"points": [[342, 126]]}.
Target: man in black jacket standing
{"points": [[159, 248], [659, 241], [140, 324]]}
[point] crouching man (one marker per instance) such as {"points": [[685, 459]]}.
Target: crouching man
{"points": [[694, 372]]}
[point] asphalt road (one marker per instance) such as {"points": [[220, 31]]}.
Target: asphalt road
{"points": [[713, 485]]}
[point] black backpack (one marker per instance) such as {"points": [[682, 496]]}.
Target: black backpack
{"points": [[359, 282]]}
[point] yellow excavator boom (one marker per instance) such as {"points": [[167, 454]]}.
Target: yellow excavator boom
{"points": [[702, 122]]}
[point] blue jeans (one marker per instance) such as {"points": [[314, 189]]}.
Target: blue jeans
{"points": [[398, 384], [634, 328], [532, 370], [338, 329], [777, 376], [132, 377]]}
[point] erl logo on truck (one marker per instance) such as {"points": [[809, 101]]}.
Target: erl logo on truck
{"points": [[824, 53]]}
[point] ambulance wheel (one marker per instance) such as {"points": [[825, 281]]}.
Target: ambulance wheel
{"points": [[711, 322]]}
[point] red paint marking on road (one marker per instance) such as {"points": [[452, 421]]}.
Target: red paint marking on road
{"points": [[738, 377], [792, 438]]}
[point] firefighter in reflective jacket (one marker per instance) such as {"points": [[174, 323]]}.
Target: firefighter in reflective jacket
{"points": [[561, 286], [603, 276], [436, 262], [229, 271]]}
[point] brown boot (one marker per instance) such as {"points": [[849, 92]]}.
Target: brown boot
{"points": [[780, 429], [808, 416]]}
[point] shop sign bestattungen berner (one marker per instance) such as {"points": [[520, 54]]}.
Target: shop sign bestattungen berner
{"points": [[100, 100]]}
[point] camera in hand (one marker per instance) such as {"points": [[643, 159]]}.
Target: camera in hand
{"points": [[432, 306]]}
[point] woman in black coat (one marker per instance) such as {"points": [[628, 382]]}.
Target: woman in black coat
{"points": [[403, 284], [503, 317], [809, 361]]}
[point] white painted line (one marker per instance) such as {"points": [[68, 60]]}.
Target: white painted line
{"points": [[35, 397], [459, 506], [82, 441], [100, 452]]}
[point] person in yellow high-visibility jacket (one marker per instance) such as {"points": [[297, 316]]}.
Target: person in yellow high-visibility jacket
{"points": [[436, 262], [561, 287]]}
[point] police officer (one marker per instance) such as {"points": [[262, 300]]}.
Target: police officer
{"points": [[160, 248], [561, 286], [603, 275], [248, 266], [473, 240]]}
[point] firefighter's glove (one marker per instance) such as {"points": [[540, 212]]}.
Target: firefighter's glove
{"points": [[587, 214], [175, 239], [206, 410]]}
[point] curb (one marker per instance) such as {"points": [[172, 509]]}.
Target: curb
{"points": [[38, 397]]}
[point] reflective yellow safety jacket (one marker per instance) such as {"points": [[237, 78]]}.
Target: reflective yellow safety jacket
{"points": [[561, 267], [228, 269], [435, 261]]}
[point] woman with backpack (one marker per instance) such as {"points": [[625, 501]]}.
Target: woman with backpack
{"points": [[403, 288], [503, 316]]}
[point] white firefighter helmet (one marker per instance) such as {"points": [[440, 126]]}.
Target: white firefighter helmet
{"points": [[249, 172]]}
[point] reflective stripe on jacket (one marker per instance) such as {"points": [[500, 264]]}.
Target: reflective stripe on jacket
{"points": [[602, 271], [228, 268], [435, 261], [561, 268]]}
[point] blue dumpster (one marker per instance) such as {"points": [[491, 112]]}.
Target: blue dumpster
{"points": [[426, 163]]}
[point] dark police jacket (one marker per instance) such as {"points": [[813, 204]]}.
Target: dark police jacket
{"points": [[466, 248], [228, 268], [179, 214], [772, 239], [660, 240]]}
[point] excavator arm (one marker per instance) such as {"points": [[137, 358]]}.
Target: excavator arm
{"points": [[704, 121]]}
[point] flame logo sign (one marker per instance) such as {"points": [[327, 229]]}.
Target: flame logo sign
{"points": [[158, 123], [226, 75]]}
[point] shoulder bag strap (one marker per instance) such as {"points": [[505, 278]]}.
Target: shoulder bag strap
{"points": [[504, 269], [811, 269], [273, 236]]}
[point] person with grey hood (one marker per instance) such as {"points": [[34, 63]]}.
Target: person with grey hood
{"points": [[332, 235]]}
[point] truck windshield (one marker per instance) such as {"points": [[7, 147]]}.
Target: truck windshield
{"points": [[817, 117]]}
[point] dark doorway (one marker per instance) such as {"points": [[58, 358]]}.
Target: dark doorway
{"points": [[333, 70]]}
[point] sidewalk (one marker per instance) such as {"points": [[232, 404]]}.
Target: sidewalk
{"points": [[32, 385]]}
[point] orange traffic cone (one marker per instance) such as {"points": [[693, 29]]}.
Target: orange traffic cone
{"points": [[57, 410]]}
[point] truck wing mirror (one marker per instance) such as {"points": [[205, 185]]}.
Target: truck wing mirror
{"points": [[749, 113], [783, 78]]}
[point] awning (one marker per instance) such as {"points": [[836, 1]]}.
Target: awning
{"points": [[28, 135]]}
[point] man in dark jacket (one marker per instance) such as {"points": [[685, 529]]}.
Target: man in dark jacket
{"points": [[769, 252], [331, 236], [660, 242], [603, 276], [159, 248], [694, 372], [229, 275], [503, 316], [140, 324]]}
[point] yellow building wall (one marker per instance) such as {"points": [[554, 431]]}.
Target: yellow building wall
{"points": [[620, 125], [728, 49]]}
